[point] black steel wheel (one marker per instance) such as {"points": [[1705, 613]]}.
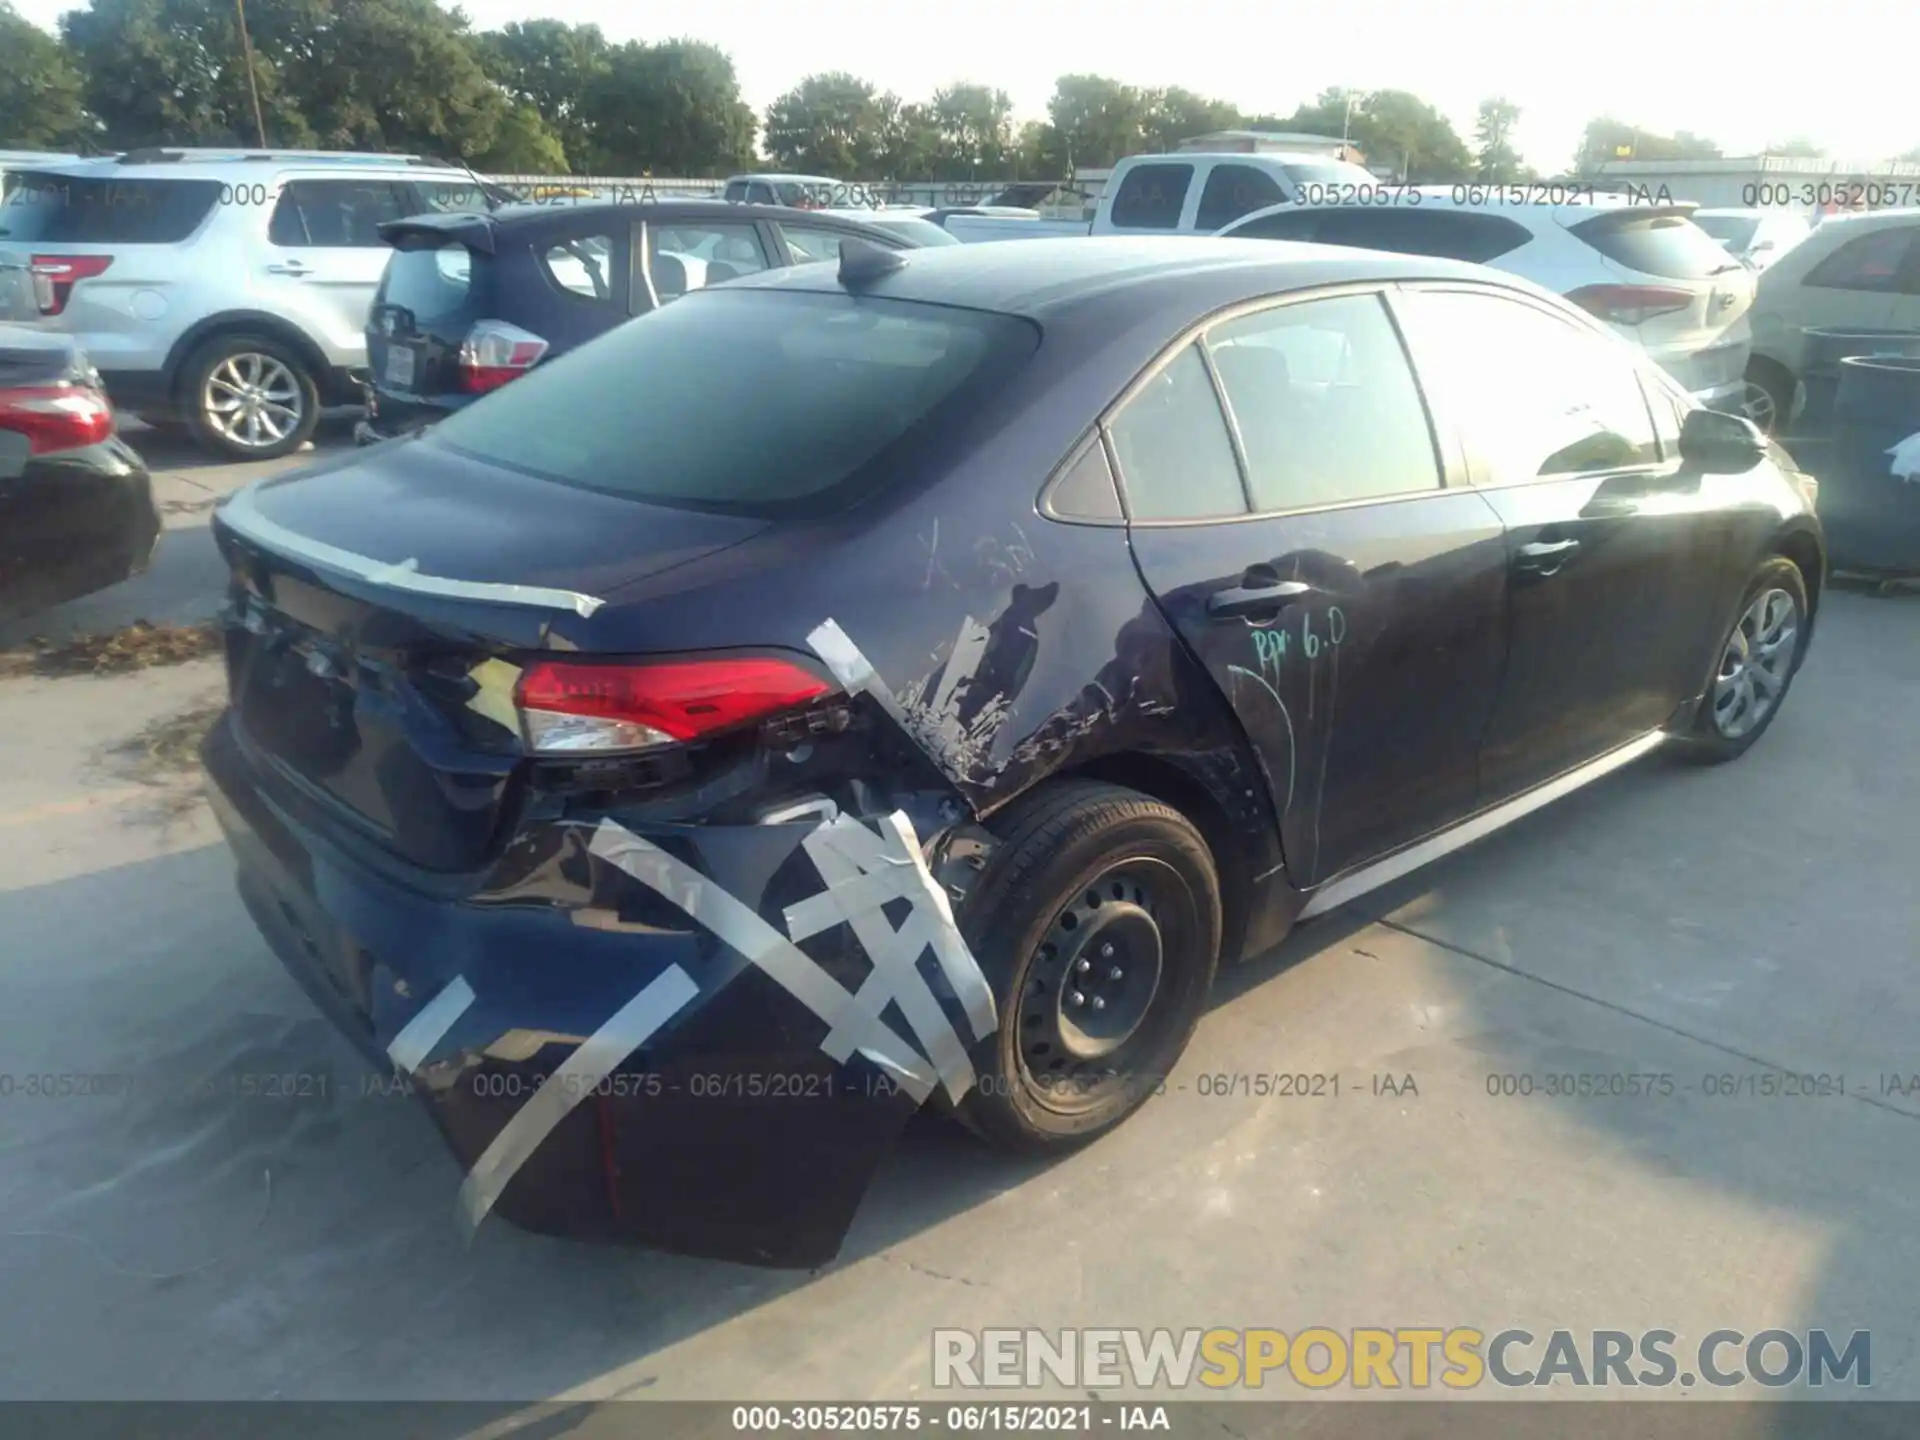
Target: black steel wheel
{"points": [[1098, 919]]}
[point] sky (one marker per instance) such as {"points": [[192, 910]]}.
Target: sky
{"points": [[1841, 73]]}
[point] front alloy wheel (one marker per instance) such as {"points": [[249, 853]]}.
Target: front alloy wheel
{"points": [[1756, 665]]}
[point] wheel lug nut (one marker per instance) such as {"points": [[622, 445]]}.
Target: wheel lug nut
{"points": [[1080, 999], [1084, 966], [1114, 973], [1098, 1003], [1106, 951]]}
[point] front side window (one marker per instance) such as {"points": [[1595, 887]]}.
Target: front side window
{"points": [[1326, 404], [1151, 197], [1536, 395], [1176, 457], [337, 214]]}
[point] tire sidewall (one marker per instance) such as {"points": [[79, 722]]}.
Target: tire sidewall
{"points": [[1014, 925], [193, 386], [1776, 572]]}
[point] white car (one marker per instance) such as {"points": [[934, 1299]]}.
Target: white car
{"points": [[913, 221], [1647, 270], [1758, 237]]}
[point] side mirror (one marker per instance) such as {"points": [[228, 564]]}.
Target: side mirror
{"points": [[1719, 443]]}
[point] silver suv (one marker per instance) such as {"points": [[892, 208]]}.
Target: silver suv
{"points": [[222, 290]]}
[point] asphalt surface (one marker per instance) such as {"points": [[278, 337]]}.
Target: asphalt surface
{"points": [[161, 1241]]}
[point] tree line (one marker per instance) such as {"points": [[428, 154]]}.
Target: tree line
{"points": [[548, 97]]}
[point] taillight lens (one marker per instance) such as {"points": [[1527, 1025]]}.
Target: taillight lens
{"points": [[1630, 304], [56, 417], [54, 277], [495, 352], [581, 707]]}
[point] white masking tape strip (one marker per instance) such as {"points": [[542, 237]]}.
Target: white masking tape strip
{"points": [[598, 1056], [852, 669], [897, 851], [895, 977], [743, 930], [429, 1027]]}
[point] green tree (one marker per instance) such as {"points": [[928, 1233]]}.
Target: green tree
{"points": [[172, 72], [382, 74], [1801, 146], [830, 124], [672, 109], [1175, 114], [1607, 139], [1494, 156], [42, 96], [906, 141], [549, 65], [1097, 120], [974, 129], [1393, 129], [523, 144]]}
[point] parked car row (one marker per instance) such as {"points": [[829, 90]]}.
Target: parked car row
{"points": [[914, 676]]}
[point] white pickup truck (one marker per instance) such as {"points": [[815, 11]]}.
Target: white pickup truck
{"points": [[1184, 193]]}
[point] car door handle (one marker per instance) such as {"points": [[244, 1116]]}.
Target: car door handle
{"points": [[1247, 599], [288, 267], [1543, 557]]}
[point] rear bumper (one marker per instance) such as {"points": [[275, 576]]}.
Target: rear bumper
{"points": [[728, 1133], [75, 523]]}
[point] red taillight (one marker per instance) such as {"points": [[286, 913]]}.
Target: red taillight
{"points": [[56, 417], [1630, 304], [54, 277], [495, 352], [573, 706]]}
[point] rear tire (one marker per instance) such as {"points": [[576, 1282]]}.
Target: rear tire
{"points": [[1102, 910], [249, 397], [1758, 659]]}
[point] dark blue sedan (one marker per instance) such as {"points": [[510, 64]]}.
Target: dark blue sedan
{"points": [[904, 682]]}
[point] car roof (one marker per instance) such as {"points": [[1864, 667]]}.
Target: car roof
{"points": [[481, 229], [1049, 278], [1858, 222]]}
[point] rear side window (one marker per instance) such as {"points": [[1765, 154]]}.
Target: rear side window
{"points": [[1176, 457], [1326, 404], [1446, 234], [825, 397], [337, 214], [45, 208], [1882, 261], [441, 197], [694, 255], [433, 285], [1235, 190], [1151, 197], [1670, 246], [581, 265]]}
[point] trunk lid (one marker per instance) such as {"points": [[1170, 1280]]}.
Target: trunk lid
{"points": [[377, 607]]}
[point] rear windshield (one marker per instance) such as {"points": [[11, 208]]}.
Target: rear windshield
{"points": [[1733, 231], [1670, 246], [1331, 172], [47, 208], [433, 285], [771, 403]]}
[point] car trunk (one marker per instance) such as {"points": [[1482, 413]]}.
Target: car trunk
{"points": [[1680, 296], [358, 664], [428, 301]]}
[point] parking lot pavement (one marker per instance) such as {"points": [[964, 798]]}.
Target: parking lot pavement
{"points": [[162, 1242], [184, 581]]}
